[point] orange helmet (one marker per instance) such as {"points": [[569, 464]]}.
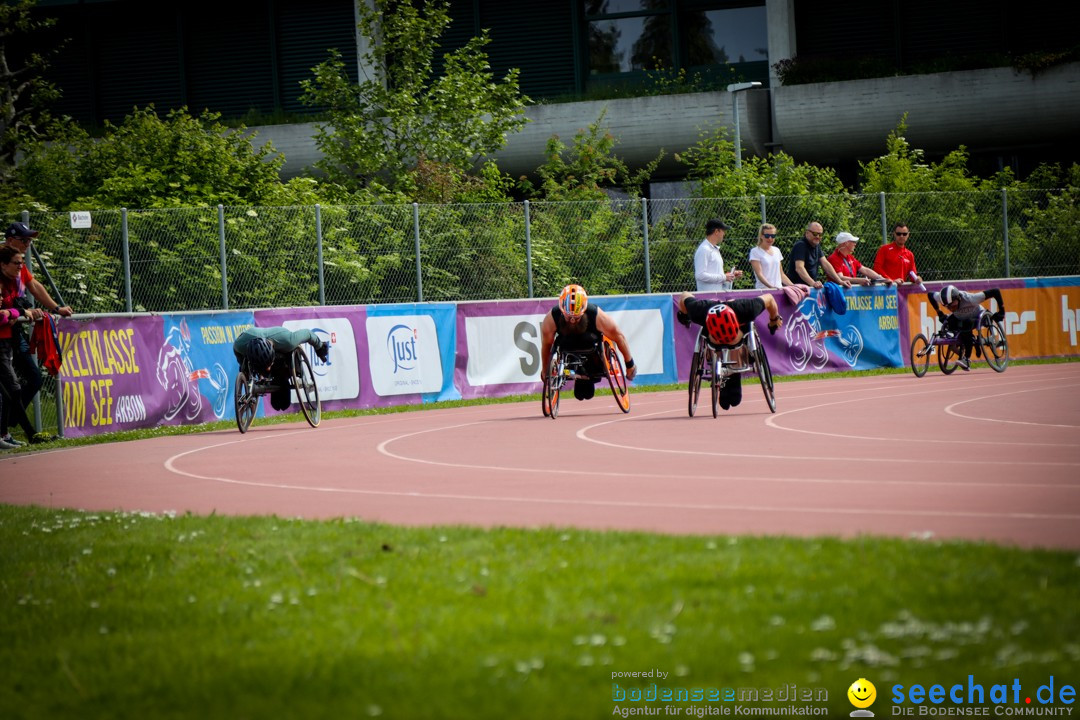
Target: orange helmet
{"points": [[722, 325], [573, 301]]}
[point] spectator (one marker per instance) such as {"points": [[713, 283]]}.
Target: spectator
{"points": [[11, 409], [19, 237], [765, 259], [709, 263], [807, 255], [895, 261], [845, 263]]}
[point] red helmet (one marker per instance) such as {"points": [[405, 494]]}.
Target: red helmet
{"points": [[722, 325]]}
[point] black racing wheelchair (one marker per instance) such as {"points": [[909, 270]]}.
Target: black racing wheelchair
{"points": [[716, 363], [299, 378], [568, 366]]}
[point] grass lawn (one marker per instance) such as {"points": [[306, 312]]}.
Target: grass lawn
{"points": [[135, 615]]}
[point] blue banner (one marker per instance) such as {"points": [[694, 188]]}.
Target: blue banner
{"points": [[411, 351]]}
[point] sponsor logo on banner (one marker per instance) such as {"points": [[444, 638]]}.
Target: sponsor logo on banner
{"points": [[339, 377], [403, 354], [505, 349]]}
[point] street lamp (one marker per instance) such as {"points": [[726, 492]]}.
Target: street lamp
{"points": [[734, 89]]}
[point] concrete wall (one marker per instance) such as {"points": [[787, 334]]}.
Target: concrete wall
{"points": [[818, 123]]}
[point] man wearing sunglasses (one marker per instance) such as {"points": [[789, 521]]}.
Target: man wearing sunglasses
{"points": [[807, 255], [895, 261]]}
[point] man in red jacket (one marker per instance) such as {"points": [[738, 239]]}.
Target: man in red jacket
{"points": [[894, 260]]}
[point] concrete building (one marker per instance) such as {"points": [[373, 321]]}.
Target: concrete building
{"points": [[246, 57]]}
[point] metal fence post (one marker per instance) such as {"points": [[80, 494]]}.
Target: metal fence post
{"points": [[125, 246], [318, 245], [1005, 229], [764, 219], [884, 220], [645, 236], [416, 235], [528, 249], [221, 244]]}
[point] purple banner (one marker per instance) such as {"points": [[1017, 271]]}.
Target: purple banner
{"points": [[498, 347], [122, 373]]}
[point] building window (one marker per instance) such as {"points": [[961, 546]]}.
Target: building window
{"points": [[626, 38]]}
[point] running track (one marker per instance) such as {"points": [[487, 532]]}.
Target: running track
{"points": [[974, 455]]}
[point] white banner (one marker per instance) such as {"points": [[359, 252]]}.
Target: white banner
{"points": [[403, 355], [339, 377], [505, 349]]}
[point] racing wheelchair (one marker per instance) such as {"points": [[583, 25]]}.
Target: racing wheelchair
{"points": [[569, 365], [251, 385], [946, 345], [715, 364]]}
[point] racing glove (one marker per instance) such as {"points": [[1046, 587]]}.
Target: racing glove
{"points": [[683, 319], [999, 316]]}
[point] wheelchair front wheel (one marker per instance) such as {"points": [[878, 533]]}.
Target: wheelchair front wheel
{"points": [[616, 376], [995, 346], [307, 391], [920, 355], [246, 401]]}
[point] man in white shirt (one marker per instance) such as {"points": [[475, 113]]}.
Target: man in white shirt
{"points": [[709, 263]]}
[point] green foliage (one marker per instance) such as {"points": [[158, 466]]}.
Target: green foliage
{"points": [[24, 94], [152, 162], [379, 129]]}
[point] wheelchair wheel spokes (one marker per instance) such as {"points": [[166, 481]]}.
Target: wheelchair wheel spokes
{"points": [[995, 346], [764, 373], [697, 366], [948, 357], [616, 376], [713, 359], [307, 390], [246, 401], [920, 355], [552, 386]]}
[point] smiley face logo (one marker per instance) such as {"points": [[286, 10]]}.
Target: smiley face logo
{"points": [[862, 693]]}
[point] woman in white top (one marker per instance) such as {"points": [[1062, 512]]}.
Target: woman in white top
{"points": [[766, 260]]}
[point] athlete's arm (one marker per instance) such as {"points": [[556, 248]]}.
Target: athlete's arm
{"points": [[547, 339], [775, 321]]}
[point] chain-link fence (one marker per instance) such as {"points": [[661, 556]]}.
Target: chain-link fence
{"points": [[236, 257]]}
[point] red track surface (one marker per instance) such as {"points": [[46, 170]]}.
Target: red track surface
{"points": [[974, 455]]}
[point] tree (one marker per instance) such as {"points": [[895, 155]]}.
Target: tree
{"points": [[380, 129], [24, 95]]}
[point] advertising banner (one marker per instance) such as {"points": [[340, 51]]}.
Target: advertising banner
{"points": [[340, 380], [815, 339], [1040, 314], [410, 353], [122, 373], [499, 343]]}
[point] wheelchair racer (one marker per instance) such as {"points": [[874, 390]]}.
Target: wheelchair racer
{"points": [[268, 351], [726, 323], [577, 327], [964, 310]]}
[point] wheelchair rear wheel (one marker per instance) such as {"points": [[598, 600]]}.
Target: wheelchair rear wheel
{"points": [[245, 400], [764, 373], [995, 346], [549, 402], [697, 368], [948, 357], [616, 376], [307, 391], [920, 355]]}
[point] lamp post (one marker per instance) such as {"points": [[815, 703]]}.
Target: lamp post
{"points": [[735, 89]]}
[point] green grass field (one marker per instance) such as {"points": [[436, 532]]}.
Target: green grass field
{"points": [[131, 615]]}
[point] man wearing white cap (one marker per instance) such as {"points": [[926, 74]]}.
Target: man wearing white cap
{"points": [[845, 263]]}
